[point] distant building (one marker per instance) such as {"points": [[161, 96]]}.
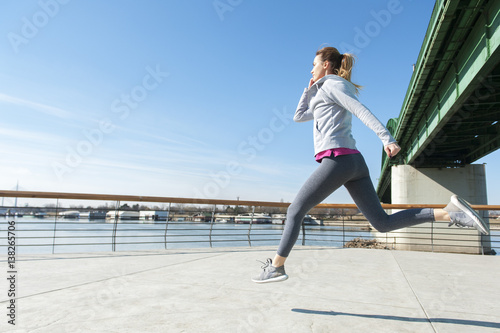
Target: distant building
{"points": [[122, 215], [202, 217], [155, 215], [93, 215]]}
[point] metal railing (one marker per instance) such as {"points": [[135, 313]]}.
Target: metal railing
{"points": [[198, 225]]}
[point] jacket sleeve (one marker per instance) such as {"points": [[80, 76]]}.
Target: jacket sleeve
{"points": [[303, 113], [348, 101]]}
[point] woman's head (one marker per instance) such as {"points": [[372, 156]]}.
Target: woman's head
{"points": [[329, 60]]}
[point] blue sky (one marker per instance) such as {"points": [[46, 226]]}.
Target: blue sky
{"points": [[189, 98]]}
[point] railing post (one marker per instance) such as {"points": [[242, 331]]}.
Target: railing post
{"points": [[485, 215], [343, 228], [115, 226], [386, 236], [55, 226], [166, 224], [432, 235], [250, 227], [303, 233], [212, 225]]}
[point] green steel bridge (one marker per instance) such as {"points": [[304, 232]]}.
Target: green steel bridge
{"points": [[451, 111]]}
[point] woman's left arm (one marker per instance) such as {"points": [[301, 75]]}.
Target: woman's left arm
{"points": [[392, 149], [349, 102]]}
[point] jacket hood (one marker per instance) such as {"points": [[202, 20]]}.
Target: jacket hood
{"points": [[329, 77]]}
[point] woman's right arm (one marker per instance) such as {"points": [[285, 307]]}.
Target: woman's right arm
{"points": [[303, 113], [348, 101]]}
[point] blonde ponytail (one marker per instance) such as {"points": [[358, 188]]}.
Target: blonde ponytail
{"points": [[340, 64], [345, 70]]}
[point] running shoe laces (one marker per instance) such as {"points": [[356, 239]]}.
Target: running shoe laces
{"points": [[268, 262], [460, 219], [270, 273]]}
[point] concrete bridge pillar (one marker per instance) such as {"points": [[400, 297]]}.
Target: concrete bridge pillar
{"points": [[411, 185]]}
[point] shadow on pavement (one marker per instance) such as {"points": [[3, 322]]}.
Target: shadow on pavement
{"points": [[407, 319]]}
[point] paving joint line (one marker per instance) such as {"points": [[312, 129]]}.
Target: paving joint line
{"points": [[147, 253], [112, 277], [414, 293]]}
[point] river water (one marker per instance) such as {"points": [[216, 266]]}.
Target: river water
{"points": [[74, 236]]}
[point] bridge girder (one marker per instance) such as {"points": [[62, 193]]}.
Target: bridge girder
{"points": [[451, 112]]}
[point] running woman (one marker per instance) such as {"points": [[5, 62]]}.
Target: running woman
{"points": [[330, 101]]}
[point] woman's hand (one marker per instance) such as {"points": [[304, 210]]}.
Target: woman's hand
{"points": [[311, 82], [392, 149]]}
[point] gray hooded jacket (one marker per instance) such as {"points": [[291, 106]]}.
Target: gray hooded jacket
{"points": [[330, 102]]}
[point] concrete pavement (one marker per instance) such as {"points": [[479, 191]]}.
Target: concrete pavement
{"points": [[209, 290]]}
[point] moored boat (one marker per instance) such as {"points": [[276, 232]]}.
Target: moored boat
{"points": [[254, 219]]}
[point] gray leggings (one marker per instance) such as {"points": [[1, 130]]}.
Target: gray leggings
{"points": [[352, 172]]}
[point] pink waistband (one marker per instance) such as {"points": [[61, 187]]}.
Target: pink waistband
{"points": [[335, 152]]}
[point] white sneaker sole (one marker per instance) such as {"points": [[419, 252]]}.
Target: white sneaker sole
{"points": [[464, 206], [276, 279]]}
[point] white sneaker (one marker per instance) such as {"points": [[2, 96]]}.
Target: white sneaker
{"points": [[462, 215], [270, 273]]}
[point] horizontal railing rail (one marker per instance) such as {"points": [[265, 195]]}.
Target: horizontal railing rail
{"points": [[137, 198], [179, 227]]}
